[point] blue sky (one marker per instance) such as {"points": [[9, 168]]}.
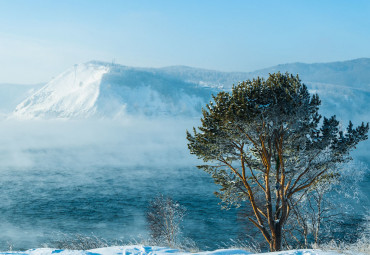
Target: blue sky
{"points": [[41, 38]]}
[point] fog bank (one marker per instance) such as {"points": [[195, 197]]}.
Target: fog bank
{"points": [[45, 144]]}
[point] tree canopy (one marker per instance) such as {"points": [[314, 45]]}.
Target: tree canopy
{"points": [[266, 143]]}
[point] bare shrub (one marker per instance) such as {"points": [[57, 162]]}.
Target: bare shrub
{"points": [[164, 217], [361, 246], [320, 212]]}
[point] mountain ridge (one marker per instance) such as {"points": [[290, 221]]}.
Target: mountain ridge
{"points": [[109, 90], [350, 71], [175, 90]]}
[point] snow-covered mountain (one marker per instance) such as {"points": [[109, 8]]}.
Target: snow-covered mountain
{"points": [[111, 90], [72, 93], [106, 90]]}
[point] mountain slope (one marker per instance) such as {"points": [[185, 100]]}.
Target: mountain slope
{"points": [[71, 94], [103, 90]]}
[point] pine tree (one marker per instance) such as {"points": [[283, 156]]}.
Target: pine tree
{"points": [[264, 143]]}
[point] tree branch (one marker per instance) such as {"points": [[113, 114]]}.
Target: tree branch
{"points": [[307, 185], [255, 178], [304, 172]]}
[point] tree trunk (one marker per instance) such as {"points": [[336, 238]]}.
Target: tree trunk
{"points": [[276, 242]]}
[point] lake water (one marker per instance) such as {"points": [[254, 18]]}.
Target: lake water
{"points": [[37, 204], [97, 178]]}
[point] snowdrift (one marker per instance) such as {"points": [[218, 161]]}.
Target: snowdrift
{"points": [[153, 250]]}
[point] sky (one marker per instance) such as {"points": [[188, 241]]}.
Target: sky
{"points": [[41, 38]]}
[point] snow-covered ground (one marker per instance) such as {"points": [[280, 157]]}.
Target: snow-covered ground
{"points": [[152, 250]]}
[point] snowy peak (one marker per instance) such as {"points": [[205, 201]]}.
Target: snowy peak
{"points": [[98, 89], [71, 94]]}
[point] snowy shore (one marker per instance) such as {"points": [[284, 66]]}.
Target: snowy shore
{"points": [[153, 250]]}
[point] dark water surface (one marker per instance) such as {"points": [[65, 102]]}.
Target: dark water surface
{"points": [[82, 178], [36, 206], [109, 202]]}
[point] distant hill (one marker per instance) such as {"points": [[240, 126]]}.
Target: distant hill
{"points": [[353, 73], [344, 87], [102, 89], [98, 89]]}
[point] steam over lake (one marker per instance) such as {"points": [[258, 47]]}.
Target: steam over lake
{"points": [[97, 177]]}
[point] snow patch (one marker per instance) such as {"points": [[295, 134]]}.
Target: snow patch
{"points": [[154, 250]]}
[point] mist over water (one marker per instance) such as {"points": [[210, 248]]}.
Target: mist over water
{"points": [[109, 202], [83, 143], [97, 176]]}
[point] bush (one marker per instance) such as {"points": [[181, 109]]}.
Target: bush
{"points": [[361, 246], [164, 217]]}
